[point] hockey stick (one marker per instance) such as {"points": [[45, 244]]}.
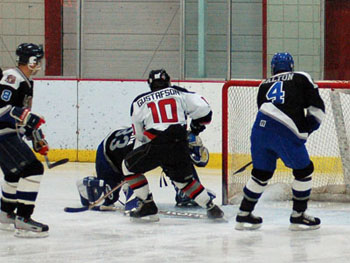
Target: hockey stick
{"points": [[91, 206], [52, 165], [242, 168]]}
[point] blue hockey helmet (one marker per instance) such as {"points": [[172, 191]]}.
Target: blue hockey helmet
{"points": [[282, 62]]}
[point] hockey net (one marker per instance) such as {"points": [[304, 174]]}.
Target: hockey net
{"points": [[328, 146]]}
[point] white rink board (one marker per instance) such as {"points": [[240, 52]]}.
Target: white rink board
{"points": [[57, 102], [104, 106]]}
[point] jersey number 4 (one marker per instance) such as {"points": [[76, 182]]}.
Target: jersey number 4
{"points": [[165, 112], [276, 93]]}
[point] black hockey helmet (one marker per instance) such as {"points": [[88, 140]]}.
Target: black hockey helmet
{"points": [[29, 53], [158, 79]]}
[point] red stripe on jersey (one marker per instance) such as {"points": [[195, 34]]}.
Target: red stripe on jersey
{"points": [[149, 135]]}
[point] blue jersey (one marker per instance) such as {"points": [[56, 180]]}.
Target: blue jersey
{"points": [[292, 98], [290, 109]]}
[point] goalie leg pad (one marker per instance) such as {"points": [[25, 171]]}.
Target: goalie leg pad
{"points": [[90, 189]]}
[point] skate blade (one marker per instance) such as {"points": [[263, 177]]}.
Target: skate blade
{"points": [[7, 227], [246, 226], [30, 234], [300, 227], [145, 219]]}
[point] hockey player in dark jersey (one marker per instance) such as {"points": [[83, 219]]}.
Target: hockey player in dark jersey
{"points": [[290, 109], [109, 156], [22, 170], [159, 119]]}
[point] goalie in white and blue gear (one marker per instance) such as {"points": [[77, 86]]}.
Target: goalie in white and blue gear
{"points": [[109, 156], [290, 109]]}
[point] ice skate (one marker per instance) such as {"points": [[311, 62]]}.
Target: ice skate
{"points": [[247, 221], [302, 221], [215, 213], [184, 201], [27, 227], [7, 221], [146, 211]]}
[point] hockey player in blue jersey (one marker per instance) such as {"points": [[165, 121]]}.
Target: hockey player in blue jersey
{"points": [[109, 156], [290, 109]]}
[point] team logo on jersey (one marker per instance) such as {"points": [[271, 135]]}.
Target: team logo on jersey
{"points": [[11, 79]]}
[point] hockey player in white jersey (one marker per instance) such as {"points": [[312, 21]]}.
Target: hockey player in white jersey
{"points": [[159, 120], [22, 170]]}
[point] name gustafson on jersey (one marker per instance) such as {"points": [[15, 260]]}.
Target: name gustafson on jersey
{"points": [[157, 95]]}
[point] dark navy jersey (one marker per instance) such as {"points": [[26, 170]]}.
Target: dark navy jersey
{"points": [[117, 145], [293, 99], [16, 90]]}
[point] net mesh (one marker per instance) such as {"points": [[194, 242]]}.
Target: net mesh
{"points": [[323, 145]]}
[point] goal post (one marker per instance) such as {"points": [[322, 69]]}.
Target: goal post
{"points": [[328, 146]]}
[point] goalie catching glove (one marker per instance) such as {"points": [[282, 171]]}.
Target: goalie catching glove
{"points": [[198, 153], [27, 118], [40, 145]]}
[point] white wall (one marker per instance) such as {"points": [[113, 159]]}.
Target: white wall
{"points": [[80, 114]]}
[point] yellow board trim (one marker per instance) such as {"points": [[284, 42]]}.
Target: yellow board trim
{"points": [[322, 164]]}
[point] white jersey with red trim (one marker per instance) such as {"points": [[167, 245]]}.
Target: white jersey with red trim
{"points": [[157, 110]]}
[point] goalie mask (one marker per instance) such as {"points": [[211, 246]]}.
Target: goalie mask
{"points": [[158, 79], [30, 54], [281, 62], [91, 189]]}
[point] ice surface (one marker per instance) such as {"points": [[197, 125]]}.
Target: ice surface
{"points": [[110, 237]]}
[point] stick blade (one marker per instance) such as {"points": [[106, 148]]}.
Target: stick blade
{"points": [[59, 162], [76, 209]]}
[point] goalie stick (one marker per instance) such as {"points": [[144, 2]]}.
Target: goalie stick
{"points": [[52, 165], [94, 204], [242, 168]]}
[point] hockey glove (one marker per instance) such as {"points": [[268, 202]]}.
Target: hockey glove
{"points": [[312, 123], [199, 156], [196, 127], [27, 118], [40, 145], [193, 140]]}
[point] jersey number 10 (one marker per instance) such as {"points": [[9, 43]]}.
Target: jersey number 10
{"points": [[160, 113]]}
